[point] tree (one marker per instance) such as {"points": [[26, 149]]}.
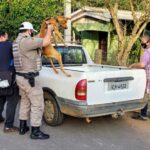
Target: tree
{"points": [[14, 12], [139, 23]]}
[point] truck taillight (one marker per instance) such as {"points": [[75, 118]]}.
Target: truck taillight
{"points": [[81, 90]]}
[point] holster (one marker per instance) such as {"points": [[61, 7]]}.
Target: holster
{"points": [[30, 76]]}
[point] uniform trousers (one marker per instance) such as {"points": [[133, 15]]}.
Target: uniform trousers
{"points": [[32, 101]]}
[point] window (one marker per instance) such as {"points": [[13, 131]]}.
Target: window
{"points": [[70, 55]]}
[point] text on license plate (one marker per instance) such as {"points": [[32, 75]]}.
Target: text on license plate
{"points": [[118, 85]]}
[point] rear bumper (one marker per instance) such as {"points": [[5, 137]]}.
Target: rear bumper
{"points": [[82, 110]]}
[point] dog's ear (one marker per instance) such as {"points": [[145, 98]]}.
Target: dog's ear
{"points": [[63, 18], [59, 17], [47, 18]]}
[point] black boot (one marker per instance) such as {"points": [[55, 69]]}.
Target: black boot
{"points": [[23, 127], [37, 134]]}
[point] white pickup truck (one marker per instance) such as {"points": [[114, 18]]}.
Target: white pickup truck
{"points": [[92, 90]]}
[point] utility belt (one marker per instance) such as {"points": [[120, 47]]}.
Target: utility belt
{"points": [[30, 76]]}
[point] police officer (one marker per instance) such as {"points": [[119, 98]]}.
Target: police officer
{"points": [[27, 60]]}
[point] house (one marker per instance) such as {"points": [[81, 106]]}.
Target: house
{"points": [[93, 27]]}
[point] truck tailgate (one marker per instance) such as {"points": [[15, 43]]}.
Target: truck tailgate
{"points": [[115, 86]]}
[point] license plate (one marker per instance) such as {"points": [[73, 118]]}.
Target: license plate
{"points": [[118, 85]]}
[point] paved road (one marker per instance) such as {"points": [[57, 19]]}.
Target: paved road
{"points": [[103, 133]]}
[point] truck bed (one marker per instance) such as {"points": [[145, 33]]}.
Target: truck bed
{"points": [[105, 84]]}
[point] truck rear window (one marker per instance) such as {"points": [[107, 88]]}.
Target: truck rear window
{"points": [[70, 55]]}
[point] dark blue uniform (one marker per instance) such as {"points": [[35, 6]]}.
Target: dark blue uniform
{"points": [[6, 62]]}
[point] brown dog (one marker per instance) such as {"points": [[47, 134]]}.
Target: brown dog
{"points": [[49, 51]]}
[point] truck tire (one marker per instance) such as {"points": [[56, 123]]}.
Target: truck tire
{"points": [[52, 114]]}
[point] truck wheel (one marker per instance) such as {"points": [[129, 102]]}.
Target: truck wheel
{"points": [[52, 114]]}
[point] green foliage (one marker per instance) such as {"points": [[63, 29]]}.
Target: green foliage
{"points": [[14, 12], [134, 55]]}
